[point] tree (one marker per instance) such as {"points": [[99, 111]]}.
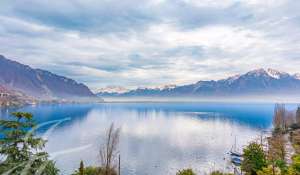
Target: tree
{"points": [[254, 159], [290, 118], [277, 153], [21, 149], [298, 116], [186, 172], [81, 168], [108, 153], [277, 147], [279, 118]]}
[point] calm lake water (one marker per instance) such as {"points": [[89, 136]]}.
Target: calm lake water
{"points": [[156, 138]]}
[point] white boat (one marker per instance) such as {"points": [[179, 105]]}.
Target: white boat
{"points": [[235, 157]]}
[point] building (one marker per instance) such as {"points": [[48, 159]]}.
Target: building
{"points": [[3, 94]]}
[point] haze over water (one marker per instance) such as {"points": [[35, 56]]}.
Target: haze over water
{"points": [[156, 138]]}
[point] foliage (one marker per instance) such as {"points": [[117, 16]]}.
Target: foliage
{"points": [[295, 139], [294, 168], [186, 172], [81, 168], [254, 159], [87, 171], [269, 171], [219, 173], [90, 170], [281, 164], [22, 151]]}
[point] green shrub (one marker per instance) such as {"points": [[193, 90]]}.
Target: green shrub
{"points": [[90, 170], [219, 173], [294, 168], [281, 164], [269, 171], [254, 159], [185, 172]]}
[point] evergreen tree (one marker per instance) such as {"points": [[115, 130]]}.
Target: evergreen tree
{"points": [[22, 151], [298, 116], [254, 159], [81, 168]]}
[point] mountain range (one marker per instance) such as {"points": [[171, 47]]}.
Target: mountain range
{"points": [[255, 82], [39, 83]]}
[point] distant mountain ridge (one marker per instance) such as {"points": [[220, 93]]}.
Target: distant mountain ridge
{"points": [[39, 83], [255, 82]]}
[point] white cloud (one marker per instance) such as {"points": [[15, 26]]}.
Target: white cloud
{"points": [[154, 43]]}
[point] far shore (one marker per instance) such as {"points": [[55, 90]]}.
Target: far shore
{"points": [[252, 99]]}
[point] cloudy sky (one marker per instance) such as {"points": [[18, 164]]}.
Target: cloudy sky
{"points": [[152, 42]]}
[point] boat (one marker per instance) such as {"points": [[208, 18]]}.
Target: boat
{"points": [[235, 153], [236, 161], [235, 157]]}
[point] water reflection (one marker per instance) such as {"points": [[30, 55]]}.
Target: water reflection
{"points": [[155, 138]]}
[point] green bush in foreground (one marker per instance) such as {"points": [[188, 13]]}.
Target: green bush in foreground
{"points": [[90, 170], [21, 149], [254, 159], [190, 172], [185, 172], [294, 169], [269, 171], [219, 173]]}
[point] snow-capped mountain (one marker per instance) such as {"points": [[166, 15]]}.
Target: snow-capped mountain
{"points": [[259, 81], [169, 86], [113, 89], [297, 76], [276, 74], [119, 91], [163, 87]]}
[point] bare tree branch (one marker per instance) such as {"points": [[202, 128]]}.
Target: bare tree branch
{"points": [[108, 152]]}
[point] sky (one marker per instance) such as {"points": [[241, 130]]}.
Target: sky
{"points": [[142, 43]]}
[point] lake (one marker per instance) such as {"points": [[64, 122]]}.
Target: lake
{"points": [[156, 138]]}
